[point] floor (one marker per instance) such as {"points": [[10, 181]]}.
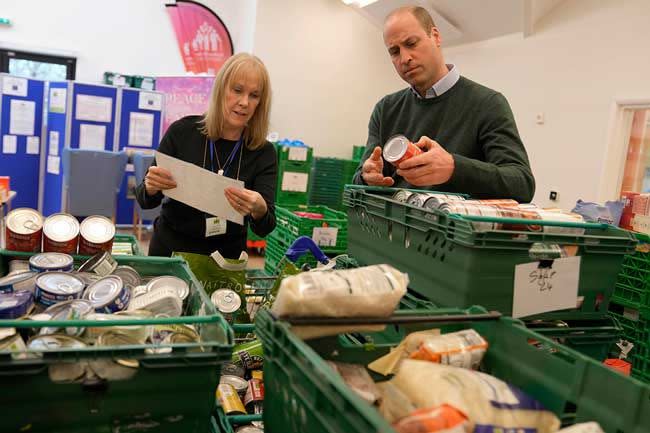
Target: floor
{"points": [[255, 260]]}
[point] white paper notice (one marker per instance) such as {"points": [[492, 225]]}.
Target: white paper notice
{"points": [[54, 143], [92, 137], [150, 101], [94, 108], [9, 144], [325, 236], [296, 182], [297, 153], [33, 145], [53, 164], [22, 115], [200, 188], [141, 129], [14, 86], [57, 100], [542, 289]]}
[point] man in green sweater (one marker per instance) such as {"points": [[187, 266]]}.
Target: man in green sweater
{"points": [[467, 131]]}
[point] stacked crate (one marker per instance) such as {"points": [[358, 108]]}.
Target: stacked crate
{"points": [[329, 177]]}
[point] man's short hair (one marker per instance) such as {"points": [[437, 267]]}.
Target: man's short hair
{"points": [[420, 14]]}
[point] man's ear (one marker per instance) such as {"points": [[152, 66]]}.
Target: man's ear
{"points": [[435, 36]]}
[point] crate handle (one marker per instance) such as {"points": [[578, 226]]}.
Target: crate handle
{"points": [[391, 320], [523, 221]]}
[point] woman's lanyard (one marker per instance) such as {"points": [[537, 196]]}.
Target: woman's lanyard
{"points": [[213, 152]]}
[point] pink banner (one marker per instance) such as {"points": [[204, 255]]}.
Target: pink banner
{"points": [[203, 39], [184, 96]]}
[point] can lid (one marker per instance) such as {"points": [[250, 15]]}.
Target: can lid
{"points": [[395, 148], [88, 277], [129, 276], [104, 291], [235, 381], [16, 304], [226, 300], [61, 283], [93, 262], [51, 260], [116, 338], [97, 229], [10, 280], [69, 310], [61, 227], [24, 221], [54, 342], [181, 287]]}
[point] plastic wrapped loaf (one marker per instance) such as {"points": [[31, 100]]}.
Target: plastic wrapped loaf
{"points": [[371, 291]]}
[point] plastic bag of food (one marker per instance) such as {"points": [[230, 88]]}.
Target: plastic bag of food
{"points": [[585, 427], [442, 419], [357, 378]]}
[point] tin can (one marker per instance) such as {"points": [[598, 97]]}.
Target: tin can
{"points": [[16, 304], [254, 398], [24, 229], [118, 338], [180, 286], [108, 295], [14, 343], [232, 369], [398, 149], [18, 266], [476, 210], [434, 201], [257, 374], [18, 281], [62, 372], [137, 332], [229, 399], [54, 342], [417, 199], [48, 262], [249, 429], [69, 310], [88, 277], [520, 214], [506, 202], [61, 234], [102, 264], [96, 235], [53, 287], [130, 277], [249, 355], [402, 195], [164, 300], [240, 385], [557, 230], [160, 332], [227, 302], [138, 291]]}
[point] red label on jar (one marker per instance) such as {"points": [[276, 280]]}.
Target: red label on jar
{"points": [[30, 243], [66, 247]]}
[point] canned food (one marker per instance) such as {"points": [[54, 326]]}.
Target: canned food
{"points": [[232, 369], [53, 287], [16, 304], [118, 338], [520, 214], [88, 277], [61, 233], [13, 343], [229, 399], [65, 371], [476, 210], [130, 277], [18, 266], [249, 429], [159, 333], [240, 385], [504, 202], [249, 355], [254, 398], [557, 230], [97, 234], [402, 195], [417, 199], [24, 229], [164, 300], [434, 201], [257, 374], [138, 291], [18, 281], [47, 262], [69, 310], [102, 264], [180, 286], [108, 295], [137, 332], [227, 302], [398, 149]]}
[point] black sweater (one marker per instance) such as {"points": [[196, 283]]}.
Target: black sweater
{"points": [[182, 227]]}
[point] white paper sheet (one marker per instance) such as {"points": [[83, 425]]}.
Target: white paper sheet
{"points": [[9, 144], [539, 290], [325, 236], [54, 143], [53, 164], [150, 101], [58, 99], [94, 108], [33, 145], [22, 116], [292, 181], [298, 153], [92, 137], [14, 86], [141, 129], [200, 188]]}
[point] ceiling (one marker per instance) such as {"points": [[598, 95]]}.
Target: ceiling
{"points": [[465, 21]]}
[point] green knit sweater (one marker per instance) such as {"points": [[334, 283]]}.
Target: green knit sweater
{"points": [[474, 124]]}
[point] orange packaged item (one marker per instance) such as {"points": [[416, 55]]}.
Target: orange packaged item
{"points": [[460, 349], [441, 419]]}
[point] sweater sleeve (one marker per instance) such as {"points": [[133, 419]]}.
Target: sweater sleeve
{"points": [[265, 182], [506, 172], [166, 146]]}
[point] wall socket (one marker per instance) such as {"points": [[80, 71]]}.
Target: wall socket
{"points": [[553, 195]]}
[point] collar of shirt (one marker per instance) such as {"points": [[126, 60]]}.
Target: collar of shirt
{"points": [[444, 84]]}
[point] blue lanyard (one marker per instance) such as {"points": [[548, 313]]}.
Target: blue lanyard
{"points": [[231, 157]]}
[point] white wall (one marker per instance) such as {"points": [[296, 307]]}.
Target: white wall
{"points": [[328, 68], [128, 36], [583, 55]]}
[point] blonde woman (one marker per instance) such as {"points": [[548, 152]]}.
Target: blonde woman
{"points": [[229, 139]]}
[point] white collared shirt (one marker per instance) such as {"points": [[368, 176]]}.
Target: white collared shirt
{"points": [[442, 85]]}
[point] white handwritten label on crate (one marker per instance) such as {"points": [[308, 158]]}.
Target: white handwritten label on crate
{"points": [[540, 289], [298, 153], [325, 236], [296, 182]]}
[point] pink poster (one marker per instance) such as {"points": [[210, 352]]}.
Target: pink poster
{"points": [[184, 96]]}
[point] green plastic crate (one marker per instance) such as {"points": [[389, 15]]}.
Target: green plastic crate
{"points": [[303, 394], [111, 77], [291, 198], [451, 263], [290, 226], [357, 152], [635, 324], [296, 154], [633, 284], [171, 392], [141, 82], [135, 246], [276, 248]]}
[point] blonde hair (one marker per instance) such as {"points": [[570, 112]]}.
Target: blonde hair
{"points": [[257, 128]]}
